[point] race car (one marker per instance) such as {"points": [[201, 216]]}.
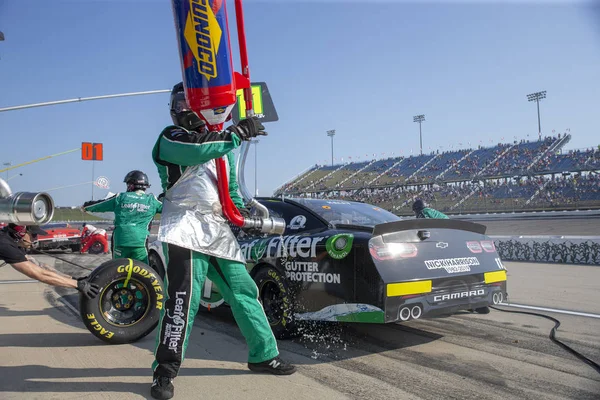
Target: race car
{"points": [[355, 262], [59, 237]]}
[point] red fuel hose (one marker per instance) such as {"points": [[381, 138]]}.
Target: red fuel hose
{"points": [[229, 209]]}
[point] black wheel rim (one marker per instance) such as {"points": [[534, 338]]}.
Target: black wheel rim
{"points": [[272, 302], [122, 305]]}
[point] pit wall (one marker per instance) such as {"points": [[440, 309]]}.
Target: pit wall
{"points": [[549, 249]]}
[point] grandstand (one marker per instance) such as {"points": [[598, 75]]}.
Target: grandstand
{"points": [[522, 176]]}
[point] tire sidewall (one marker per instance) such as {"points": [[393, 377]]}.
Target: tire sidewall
{"points": [[113, 270], [286, 327]]}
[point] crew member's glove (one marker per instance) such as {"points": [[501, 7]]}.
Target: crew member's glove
{"points": [[248, 128], [89, 290]]}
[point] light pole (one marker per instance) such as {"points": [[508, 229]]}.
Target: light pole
{"points": [[537, 96], [255, 142], [420, 119], [331, 134]]}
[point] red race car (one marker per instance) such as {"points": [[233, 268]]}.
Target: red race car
{"points": [[60, 237]]}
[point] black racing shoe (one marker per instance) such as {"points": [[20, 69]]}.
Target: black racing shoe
{"points": [[162, 388], [275, 366], [482, 310]]}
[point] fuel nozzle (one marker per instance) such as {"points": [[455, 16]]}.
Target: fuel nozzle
{"points": [[270, 225], [25, 208]]}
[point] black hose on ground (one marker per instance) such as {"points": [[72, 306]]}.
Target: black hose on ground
{"points": [[552, 336], [63, 260]]}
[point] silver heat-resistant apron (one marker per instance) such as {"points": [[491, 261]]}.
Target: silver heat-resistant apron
{"points": [[192, 215]]}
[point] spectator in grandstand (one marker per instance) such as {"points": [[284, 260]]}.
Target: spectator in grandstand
{"points": [[422, 211]]}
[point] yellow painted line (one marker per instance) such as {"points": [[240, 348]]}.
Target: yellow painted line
{"points": [[496, 276], [129, 273], [406, 288]]}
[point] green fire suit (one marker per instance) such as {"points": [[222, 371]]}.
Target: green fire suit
{"points": [[134, 212], [431, 213], [198, 242]]}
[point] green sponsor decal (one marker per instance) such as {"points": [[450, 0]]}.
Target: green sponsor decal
{"points": [[258, 250], [339, 246], [369, 317]]}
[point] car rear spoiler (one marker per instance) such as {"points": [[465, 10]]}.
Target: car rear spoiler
{"points": [[420, 223]]}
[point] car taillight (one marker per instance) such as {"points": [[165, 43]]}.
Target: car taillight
{"points": [[475, 247], [488, 246], [389, 251]]}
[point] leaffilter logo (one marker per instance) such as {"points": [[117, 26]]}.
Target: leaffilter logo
{"points": [[339, 246], [258, 250]]}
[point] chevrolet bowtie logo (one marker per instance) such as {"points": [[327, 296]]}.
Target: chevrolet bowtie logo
{"points": [[441, 245]]}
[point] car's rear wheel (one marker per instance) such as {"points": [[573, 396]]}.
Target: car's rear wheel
{"points": [[129, 304], [96, 248], [277, 301]]}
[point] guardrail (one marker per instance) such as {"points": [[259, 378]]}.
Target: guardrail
{"points": [[550, 249]]}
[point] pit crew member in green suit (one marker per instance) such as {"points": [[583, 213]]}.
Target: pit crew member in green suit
{"points": [[198, 242], [134, 211]]}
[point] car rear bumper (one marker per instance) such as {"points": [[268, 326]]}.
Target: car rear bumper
{"points": [[442, 297]]}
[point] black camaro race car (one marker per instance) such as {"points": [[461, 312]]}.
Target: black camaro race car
{"points": [[355, 262]]}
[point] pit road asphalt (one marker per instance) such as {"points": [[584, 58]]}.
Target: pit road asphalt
{"points": [[46, 352]]}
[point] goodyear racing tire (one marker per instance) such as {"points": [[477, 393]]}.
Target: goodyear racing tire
{"points": [[129, 304], [277, 300]]}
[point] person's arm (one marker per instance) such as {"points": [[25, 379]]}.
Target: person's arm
{"points": [[187, 148], [48, 276], [233, 184], [46, 267], [102, 206], [183, 148], [157, 205]]}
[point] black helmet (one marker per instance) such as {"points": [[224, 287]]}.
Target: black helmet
{"points": [[136, 180], [418, 205], [181, 114]]}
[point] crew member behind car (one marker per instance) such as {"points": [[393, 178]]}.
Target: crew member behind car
{"points": [[134, 210], [198, 242], [87, 237], [422, 211], [14, 242]]}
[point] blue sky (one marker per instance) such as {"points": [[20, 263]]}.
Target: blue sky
{"points": [[362, 68]]}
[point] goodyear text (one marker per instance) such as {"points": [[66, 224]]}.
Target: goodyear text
{"points": [[136, 269]]}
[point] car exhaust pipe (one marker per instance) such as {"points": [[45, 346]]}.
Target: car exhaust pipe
{"points": [[415, 313], [497, 297], [24, 208], [404, 314]]}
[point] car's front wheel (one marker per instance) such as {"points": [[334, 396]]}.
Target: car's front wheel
{"points": [[277, 301]]}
